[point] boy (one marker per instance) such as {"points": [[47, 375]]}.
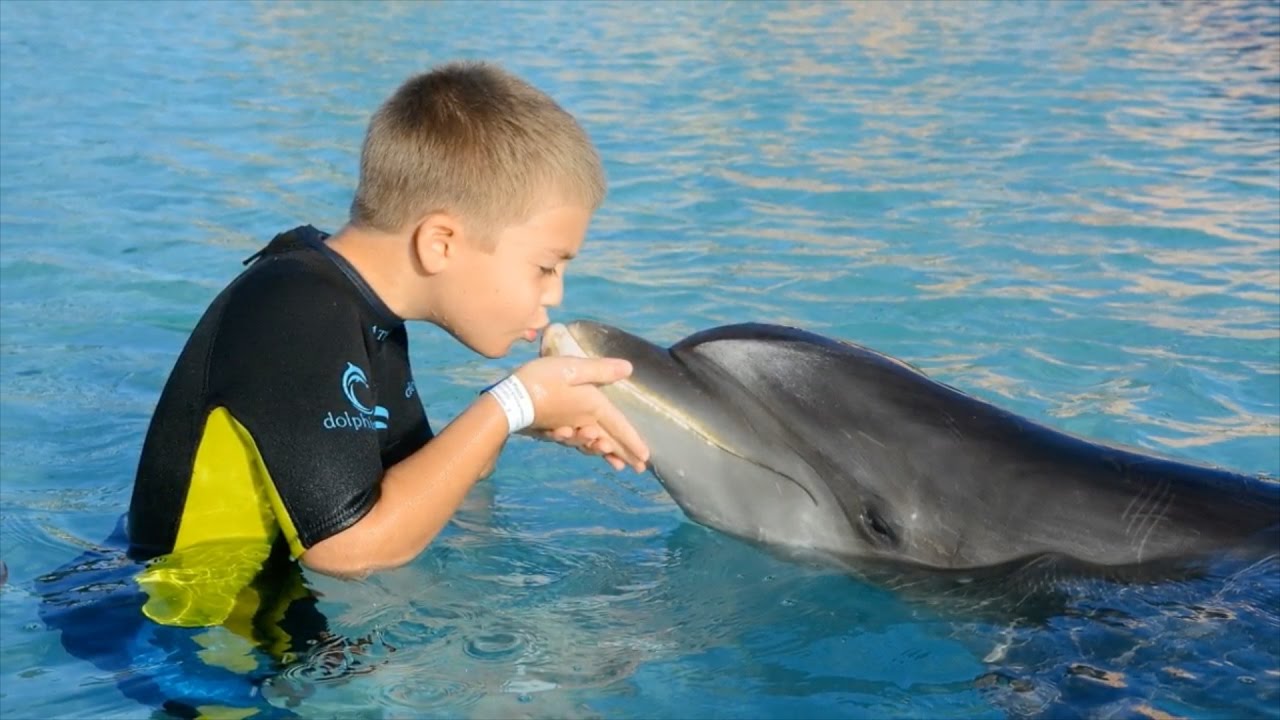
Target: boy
{"points": [[291, 418]]}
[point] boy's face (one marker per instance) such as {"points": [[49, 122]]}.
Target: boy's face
{"points": [[496, 298]]}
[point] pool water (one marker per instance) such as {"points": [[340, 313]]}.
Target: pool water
{"points": [[1070, 209]]}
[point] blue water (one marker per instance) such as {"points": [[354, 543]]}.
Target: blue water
{"points": [[1071, 209]]}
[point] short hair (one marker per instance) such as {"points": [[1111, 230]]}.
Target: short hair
{"points": [[472, 139]]}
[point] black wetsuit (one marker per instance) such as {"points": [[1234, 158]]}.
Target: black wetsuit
{"points": [[291, 397]]}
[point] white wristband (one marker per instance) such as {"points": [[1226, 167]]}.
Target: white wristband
{"points": [[515, 401]]}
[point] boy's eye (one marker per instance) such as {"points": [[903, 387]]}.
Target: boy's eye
{"points": [[548, 270]]}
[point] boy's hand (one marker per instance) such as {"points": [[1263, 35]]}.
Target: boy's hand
{"points": [[588, 440], [566, 394]]}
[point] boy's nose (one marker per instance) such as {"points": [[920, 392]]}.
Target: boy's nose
{"points": [[554, 295]]}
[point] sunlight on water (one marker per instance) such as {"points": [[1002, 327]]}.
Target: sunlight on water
{"points": [[1066, 208]]}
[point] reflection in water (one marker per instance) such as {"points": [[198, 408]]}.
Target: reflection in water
{"points": [[266, 656], [568, 628]]}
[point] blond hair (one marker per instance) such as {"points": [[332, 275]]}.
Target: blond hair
{"points": [[471, 139]]}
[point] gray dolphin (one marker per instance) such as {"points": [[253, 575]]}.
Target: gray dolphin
{"points": [[793, 439]]}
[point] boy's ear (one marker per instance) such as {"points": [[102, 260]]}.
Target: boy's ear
{"points": [[435, 241]]}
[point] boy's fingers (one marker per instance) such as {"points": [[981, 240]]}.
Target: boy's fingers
{"points": [[630, 445], [596, 371]]}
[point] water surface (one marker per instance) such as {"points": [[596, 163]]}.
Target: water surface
{"points": [[1067, 208]]}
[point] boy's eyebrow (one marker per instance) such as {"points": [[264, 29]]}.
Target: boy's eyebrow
{"points": [[563, 254]]}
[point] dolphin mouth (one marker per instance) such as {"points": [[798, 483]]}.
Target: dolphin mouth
{"points": [[559, 340]]}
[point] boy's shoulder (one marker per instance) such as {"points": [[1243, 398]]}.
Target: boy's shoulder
{"points": [[291, 285], [293, 257], [297, 283], [297, 268]]}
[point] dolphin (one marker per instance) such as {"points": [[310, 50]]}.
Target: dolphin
{"points": [[791, 439]]}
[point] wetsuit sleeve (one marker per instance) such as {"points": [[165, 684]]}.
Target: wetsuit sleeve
{"points": [[290, 366]]}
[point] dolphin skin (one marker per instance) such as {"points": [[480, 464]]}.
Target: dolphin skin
{"points": [[788, 438]]}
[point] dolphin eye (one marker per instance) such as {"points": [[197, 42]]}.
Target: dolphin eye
{"points": [[876, 527]]}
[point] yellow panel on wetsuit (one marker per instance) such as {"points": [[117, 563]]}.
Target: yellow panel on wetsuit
{"points": [[231, 518], [231, 495]]}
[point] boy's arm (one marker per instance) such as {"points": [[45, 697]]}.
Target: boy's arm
{"points": [[420, 493], [418, 496]]}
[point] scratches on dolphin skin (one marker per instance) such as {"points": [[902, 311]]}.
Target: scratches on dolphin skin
{"points": [[952, 426], [1140, 497], [1152, 505], [877, 442], [1156, 518]]}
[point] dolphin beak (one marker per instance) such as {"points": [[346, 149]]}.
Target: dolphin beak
{"points": [[557, 340]]}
